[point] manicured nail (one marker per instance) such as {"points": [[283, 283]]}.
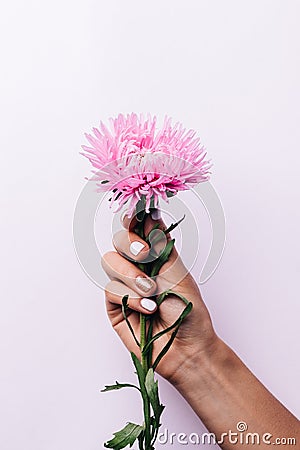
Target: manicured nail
{"points": [[145, 284], [124, 214], [136, 247], [155, 214], [148, 304]]}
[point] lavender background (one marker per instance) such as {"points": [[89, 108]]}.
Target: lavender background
{"points": [[228, 69]]}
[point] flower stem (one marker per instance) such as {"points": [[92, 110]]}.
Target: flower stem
{"points": [[143, 342], [144, 359], [144, 362], [144, 365]]}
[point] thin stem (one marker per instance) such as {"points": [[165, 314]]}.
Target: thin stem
{"points": [[144, 359], [149, 337], [143, 341], [144, 362], [148, 386]]}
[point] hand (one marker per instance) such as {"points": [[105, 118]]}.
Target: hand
{"points": [[209, 375], [196, 334]]}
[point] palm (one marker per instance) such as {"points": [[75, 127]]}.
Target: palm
{"points": [[197, 323]]}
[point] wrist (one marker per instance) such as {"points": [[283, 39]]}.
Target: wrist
{"points": [[199, 370]]}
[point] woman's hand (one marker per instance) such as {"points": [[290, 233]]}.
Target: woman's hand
{"points": [[214, 381], [196, 335]]}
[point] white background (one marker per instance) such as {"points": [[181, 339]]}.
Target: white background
{"points": [[228, 69]]}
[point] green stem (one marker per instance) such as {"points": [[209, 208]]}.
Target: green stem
{"points": [[149, 337], [144, 359], [144, 362], [145, 365], [143, 341]]}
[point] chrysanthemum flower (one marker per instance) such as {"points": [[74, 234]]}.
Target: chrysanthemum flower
{"points": [[133, 160]]}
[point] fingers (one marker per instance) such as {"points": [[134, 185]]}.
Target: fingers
{"points": [[134, 248], [115, 291], [131, 245], [128, 243], [118, 268], [154, 219], [129, 223]]}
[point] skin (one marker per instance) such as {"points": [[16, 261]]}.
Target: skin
{"points": [[209, 375]]}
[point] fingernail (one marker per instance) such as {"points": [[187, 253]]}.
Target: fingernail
{"points": [[148, 304], [155, 214], [145, 284], [124, 215], [136, 247]]}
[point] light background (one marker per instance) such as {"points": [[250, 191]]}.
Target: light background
{"points": [[228, 69]]}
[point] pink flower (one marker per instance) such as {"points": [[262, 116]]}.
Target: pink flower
{"points": [[135, 161]]}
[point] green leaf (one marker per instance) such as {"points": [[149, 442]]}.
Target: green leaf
{"points": [[124, 437], [140, 373], [113, 387], [177, 323], [152, 391], [166, 347], [183, 315], [155, 227], [124, 307], [141, 440], [163, 258], [140, 209], [170, 194], [141, 377], [165, 294], [140, 266], [173, 225]]}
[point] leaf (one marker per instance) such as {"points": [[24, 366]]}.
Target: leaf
{"points": [[140, 266], [124, 307], [140, 209], [155, 227], [141, 440], [173, 225], [140, 373], [152, 391], [166, 347], [124, 437], [165, 294], [141, 377], [182, 316], [163, 258], [170, 194], [177, 323], [140, 216], [113, 387]]}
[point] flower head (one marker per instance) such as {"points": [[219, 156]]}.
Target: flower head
{"points": [[136, 161]]}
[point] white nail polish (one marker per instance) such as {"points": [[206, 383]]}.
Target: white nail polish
{"points": [[136, 247], [156, 214], [148, 304], [124, 214]]}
